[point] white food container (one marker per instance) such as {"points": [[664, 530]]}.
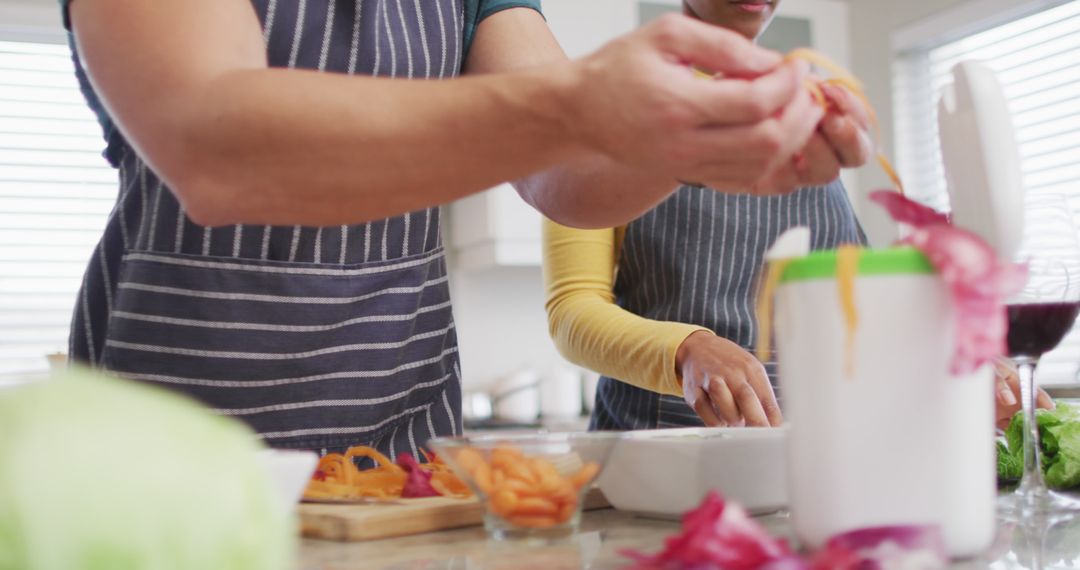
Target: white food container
{"points": [[290, 470], [894, 440], [667, 472]]}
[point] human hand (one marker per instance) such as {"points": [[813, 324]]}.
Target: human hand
{"points": [[842, 140], [724, 384], [638, 101], [1007, 393], [846, 126]]}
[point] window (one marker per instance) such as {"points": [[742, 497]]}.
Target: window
{"points": [[55, 194], [1037, 59]]}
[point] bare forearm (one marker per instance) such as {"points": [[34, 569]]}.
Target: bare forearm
{"points": [[240, 142], [594, 192], [188, 84], [286, 146]]}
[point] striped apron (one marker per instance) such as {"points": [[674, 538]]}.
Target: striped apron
{"points": [[318, 337], [695, 259]]}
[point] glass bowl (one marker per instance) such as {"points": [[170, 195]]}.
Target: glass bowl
{"points": [[530, 485]]}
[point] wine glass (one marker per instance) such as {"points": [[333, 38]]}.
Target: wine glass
{"points": [[1039, 318]]}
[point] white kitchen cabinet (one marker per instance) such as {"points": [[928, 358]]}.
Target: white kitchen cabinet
{"points": [[494, 229]]}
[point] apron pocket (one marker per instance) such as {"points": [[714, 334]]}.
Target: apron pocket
{"points": [[311, 356]]}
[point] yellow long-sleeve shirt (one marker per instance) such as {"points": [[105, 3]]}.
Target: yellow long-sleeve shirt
{"points": [[589, 329]]}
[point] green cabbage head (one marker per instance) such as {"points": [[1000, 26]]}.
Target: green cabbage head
{"points": [[98, 473]]}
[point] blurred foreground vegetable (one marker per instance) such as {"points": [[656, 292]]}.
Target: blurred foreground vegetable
{"points": [[978, 281], [99, 473], [721, 536]]}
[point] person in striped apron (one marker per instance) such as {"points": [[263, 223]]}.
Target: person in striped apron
{"points": [[663, 307], [275, 247]]}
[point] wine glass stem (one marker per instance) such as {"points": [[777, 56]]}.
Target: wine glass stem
{"points": [[1033, 478]]}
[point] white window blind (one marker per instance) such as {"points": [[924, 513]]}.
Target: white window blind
{"points": [[55, 194], [1037, 60]]}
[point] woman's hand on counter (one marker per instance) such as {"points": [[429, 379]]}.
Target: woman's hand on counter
{"points": [[725, 384], [1007, 393]]}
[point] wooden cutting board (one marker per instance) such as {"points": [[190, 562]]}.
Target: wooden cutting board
{"points": [[352, 523]]}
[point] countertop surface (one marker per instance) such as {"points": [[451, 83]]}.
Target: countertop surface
{"points": [[1034, 545]]}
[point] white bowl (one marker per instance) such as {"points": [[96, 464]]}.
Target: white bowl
{"points": [[290, 470], [668, 472]]}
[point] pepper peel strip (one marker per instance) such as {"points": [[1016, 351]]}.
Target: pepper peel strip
{"points": [[847, 267], [337, 477], [773, 272], [845, 80]]}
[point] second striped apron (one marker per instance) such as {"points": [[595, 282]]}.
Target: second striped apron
{"points": [[695, 259], [319, 338]]}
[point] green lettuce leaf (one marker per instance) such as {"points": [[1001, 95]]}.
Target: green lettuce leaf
{"points": [[1010, 467], [1059, 434], [1064, 469], [104, 474], [1014, 434]]}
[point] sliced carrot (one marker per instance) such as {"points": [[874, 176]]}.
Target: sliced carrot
{"points": [[519, 488], [514, 467], [533, 522], [889, 170], [857, 90], [825, 63], [482, 478], [535, 506], [389, 481], [507, 452], [504, 503], [365, 451], [335, 467], [844, 79], [567, 512], [565, 493], [543, 469], [498, 477], [552, 484], [765, 307], [816, 92], [468, 458], [449, 485], [702, 74], [338, 477], [325, 490], [585, 475]]}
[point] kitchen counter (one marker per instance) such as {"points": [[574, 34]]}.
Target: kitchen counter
{"points": [[1039, 544]]}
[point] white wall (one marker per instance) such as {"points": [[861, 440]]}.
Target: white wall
{"points": [[582, 26]]}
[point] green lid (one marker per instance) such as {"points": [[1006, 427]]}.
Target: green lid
{"points": [[892, 261]]}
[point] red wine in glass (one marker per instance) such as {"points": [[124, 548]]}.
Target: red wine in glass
{"points": [[1036, 328]]}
